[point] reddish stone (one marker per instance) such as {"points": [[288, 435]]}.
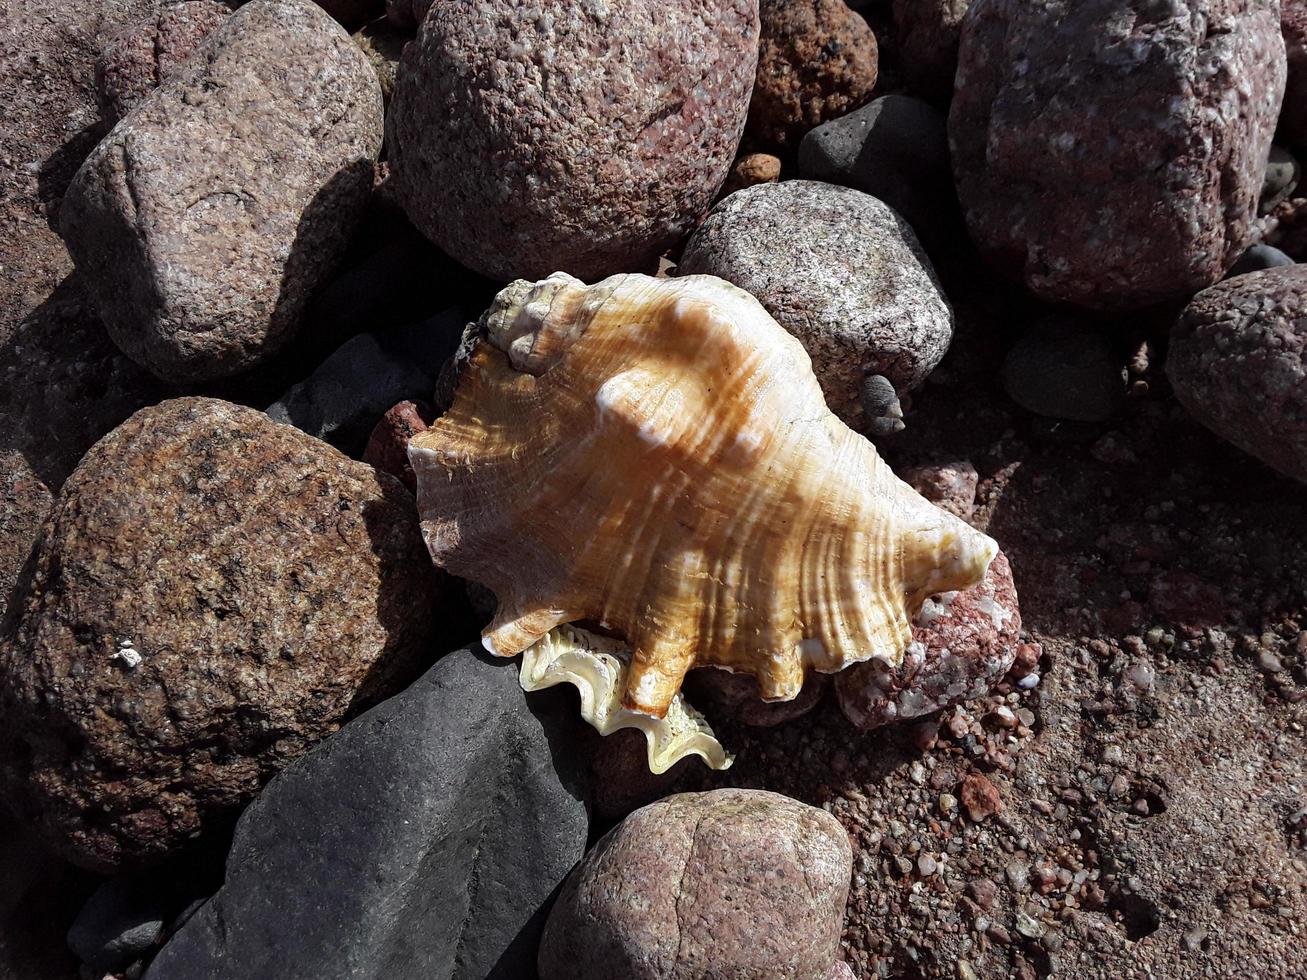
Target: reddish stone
{"points": [[388, 445], [979, 797]]}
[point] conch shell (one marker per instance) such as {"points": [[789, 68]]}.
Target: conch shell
{"points": [[655, 457]]}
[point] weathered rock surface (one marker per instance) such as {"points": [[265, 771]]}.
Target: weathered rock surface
{"points": [[950, 485], [139, 58], [816, 61], [750, 169], [839, 270], [733, 883], [422, 840], [895, 149], [1238, 363], [928, 34], [203, 222], [1113, 158], [962, 644], [215, 593], [387, 447], [1065, 368], [24, 504], [586, 140]]}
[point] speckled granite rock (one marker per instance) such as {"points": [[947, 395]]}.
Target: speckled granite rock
{"points": [[950, 485], [216, 593], [593, 166], [421, 842], [928, 33], [962, 643], [1110, 159], [203, 222], [839, 270], [817, 60], [734, 883], [24, 504], [1293, 112], [138, 59], [1238, 363]]}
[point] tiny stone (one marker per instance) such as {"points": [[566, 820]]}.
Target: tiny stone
{"points": [[1269, 663], [1029, 682], [1029, 927], [926, 865], [1112, 755], [948, 803]]}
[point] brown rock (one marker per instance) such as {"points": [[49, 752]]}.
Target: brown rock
{"points": [[139, 58], [928, 34], [962, 644], [387, 448], [24, 504], [1115, 160], [1293, 112], [203, 222], [214, 594], [1238, 363], [816, 61], [750, 169], [979, 797], [733, 883], [591, 159], [949, 485]]}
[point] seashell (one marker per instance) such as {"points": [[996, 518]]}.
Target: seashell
{"points": [[655, 456]]}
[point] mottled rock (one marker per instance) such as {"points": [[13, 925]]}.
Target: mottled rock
{"points": [[387, 447], [422, 840], [816, 61], [214, 593], [1238, 363], [962, 644], [720, 693], [383, 43], [839, 270], [526, 141], [734, 883], [1065, 368], [928, 33], [139, 58], [1258, 257], [1113, 159], [750, 169], [24, 504], [950, 485], [1293, 112], [979, 797], [895, 149], [203, 222]]}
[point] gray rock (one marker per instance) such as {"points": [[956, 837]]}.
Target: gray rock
{"points": [[1258, 257], [1280, 180], [1112, 155], [213, 594], [525, 140], [205, 219], [841, 271], [895, 149], [422, 840], [735, 883], [122, 921], [1065, 369], [343, 398], [1238, 363]]}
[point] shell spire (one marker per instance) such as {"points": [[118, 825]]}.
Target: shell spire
{"points": [[656, 457]]}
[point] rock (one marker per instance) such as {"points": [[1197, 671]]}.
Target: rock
{"points": [[840, 971], [950, 485], [214, 594], [962, 644], [352, 13], [895, 149], [840, 271], [816, 61], [139, 58], [735, 696], [1280, 181], [733, 883], [928, 33], [341, 401], [1259, 257], [422, 840], [407, 14], [125, 918], [383, 43], [597, 165], [24, 505], [1114, 160], [203, 222], [387, 448], [620, 776], [1293, 112], [1065, 368], [979, 797], [1238, 363], [750, 169]]}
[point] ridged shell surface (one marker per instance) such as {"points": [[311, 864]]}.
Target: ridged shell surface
{"points": [[655, 457]]}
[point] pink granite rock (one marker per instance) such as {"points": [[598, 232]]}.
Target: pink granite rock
{"points": [[949, 485]]}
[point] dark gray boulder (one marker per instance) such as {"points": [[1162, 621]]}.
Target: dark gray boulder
{"points": [[421, 841]]}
